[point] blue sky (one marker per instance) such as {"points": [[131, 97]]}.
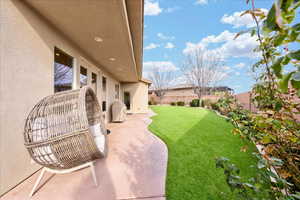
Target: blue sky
{"points": [[176, 27]]}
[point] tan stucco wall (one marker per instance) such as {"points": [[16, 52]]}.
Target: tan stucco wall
{"points": [[26, 75], [138, 96], [111, 97], [185, 94]]}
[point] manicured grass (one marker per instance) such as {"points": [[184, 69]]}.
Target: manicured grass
{"points": [[195, 137]]}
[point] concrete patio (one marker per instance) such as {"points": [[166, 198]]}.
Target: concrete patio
{"points": [[134, 169]]}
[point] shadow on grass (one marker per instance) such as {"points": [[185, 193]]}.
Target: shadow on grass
{"points": [[195, 138]]}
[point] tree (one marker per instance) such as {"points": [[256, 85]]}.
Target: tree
{"points": [[203, 70], [62, 72], [161, 81]]}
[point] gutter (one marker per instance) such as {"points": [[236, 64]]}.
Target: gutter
{"points": [[130, 38]]}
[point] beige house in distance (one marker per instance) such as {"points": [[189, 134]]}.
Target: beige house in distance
{"points": [[186, 93], [47, 46]]}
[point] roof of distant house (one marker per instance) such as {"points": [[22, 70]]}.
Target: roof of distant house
{"points": [[189, 86]]}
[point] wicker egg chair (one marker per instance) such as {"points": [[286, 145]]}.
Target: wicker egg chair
{"points": [[118, 109], [66, 130]]}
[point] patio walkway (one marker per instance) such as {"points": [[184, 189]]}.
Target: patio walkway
{"points": [[134, 169]]}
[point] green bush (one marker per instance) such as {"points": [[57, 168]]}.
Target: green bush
{"points": [[180, 103], [214, 106], [274, 125], [173, 104], [202, 103], [195, 103], [152, 101]]}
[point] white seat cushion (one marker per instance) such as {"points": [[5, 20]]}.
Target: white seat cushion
{"points": [[99, 137]]}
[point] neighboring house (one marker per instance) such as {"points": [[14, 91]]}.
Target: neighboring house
{"points": [[186, 94], [49, 46]]}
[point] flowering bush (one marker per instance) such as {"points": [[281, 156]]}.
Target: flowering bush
{"points": [[274, 125]]}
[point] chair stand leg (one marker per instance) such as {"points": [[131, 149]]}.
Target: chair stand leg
{"points": [[94, 173], [37, 182]]}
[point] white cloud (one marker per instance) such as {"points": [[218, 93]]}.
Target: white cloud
{"points": [[239, 21], [172, 9], [152, 8], [240, 65], [223, 37], [165, 37], [237, 73], [190, 47], [201, 2], [178, 80], [226, 68], [169, 45], [240, 47], [161, 65], [151, 46], [202, 45]]}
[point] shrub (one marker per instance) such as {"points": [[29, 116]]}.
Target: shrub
{"points": [[206, 103], [214, 106], [227, 104], [152, 101], [202, 103], [195, 103], [274, 126], [180, 103], [173, 104]]}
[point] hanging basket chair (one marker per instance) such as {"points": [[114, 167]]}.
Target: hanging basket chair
{"points": [[118, 109], [66, 130]]}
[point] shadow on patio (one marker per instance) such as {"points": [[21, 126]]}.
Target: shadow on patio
{"points": [[134, 169]]}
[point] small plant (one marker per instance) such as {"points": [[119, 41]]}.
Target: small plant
{"points": [[152, 101], [195, 103], [265, 185], [173, 104], [206, 103], [226, 104], [180, 103], [214, 106]]}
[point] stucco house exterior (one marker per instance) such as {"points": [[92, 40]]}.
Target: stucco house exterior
{"points": [[186, 93], [50, 46]]}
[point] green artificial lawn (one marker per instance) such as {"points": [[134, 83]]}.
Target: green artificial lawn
{"points": [[195, 137]]}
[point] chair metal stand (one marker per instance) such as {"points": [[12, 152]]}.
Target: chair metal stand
{"points": [[64, 171]]}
